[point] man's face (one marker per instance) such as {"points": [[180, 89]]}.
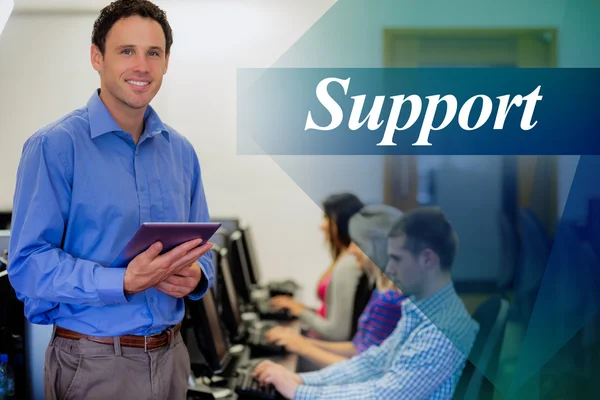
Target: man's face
{"points": [[403, 268], [134, 61]]}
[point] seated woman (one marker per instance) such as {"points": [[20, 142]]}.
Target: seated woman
{"points": [[337, 286], [368, 230]]}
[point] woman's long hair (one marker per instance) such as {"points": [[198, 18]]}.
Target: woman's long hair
{"points": [[338, 208]]}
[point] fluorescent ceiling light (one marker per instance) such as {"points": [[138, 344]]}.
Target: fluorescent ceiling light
{"points": [[6, 7]]}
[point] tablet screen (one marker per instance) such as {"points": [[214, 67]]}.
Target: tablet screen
{"points": [[170, 234]]}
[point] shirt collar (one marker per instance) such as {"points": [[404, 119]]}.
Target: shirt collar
{"points": [[102, 122], [432, 304]]}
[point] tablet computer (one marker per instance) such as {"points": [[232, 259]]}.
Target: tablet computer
{"points": [[170, 234]]}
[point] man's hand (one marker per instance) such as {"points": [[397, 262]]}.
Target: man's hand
{"points": [[149, 268], [286, 382], [183, 282], [295, 307]]}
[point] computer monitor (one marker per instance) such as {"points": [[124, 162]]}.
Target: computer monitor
{"points": [[4, 241], [228, 302], [249, 251], [209, 336], [221, 238], [216, 261], [229, 224], [237, 264]]}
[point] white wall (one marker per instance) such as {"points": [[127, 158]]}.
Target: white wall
{"points": [[45, 73]]}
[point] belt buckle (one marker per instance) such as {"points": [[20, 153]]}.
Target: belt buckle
{"points": [[146, 340]]}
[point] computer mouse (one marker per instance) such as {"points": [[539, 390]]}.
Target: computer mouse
{"points": [[221, 393], [236, 348]]}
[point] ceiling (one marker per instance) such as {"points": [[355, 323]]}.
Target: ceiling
{"points": [[71, 5], [40, 5]]}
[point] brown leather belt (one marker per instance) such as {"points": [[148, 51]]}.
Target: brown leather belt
{"points": [[147, 343]]}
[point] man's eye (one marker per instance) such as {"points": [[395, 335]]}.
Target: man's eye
{"points": [[127, 51], [154, 53]]}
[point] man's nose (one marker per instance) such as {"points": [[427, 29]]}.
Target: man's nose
{"points": [[141, 63]]}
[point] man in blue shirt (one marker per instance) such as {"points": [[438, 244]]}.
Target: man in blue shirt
{"points": [[424, 356], [85, 184]]}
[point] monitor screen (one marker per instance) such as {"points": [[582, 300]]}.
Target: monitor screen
{"points": [[229, 305], [221, 347], [237, 263], [249, 251], [208, 346]]}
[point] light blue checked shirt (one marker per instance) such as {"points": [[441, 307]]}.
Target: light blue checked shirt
{"points": [[422, 359]]}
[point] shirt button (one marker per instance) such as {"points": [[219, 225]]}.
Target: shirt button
{"points": [[142, 188]]}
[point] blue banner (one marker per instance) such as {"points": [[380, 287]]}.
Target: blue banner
{"points": [[435, 111]]}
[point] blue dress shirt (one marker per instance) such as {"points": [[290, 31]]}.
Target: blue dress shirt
{"points": [[83, 189]]}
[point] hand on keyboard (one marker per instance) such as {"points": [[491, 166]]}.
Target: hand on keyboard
{"points": [[285, 302], [260, 347], [294, 343], [285, 381], [247, 386], [278, 332]]}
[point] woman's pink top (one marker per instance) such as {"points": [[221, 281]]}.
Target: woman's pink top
{"points": [[322, 293]]}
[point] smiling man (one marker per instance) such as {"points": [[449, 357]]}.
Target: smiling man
{"points": [[85, 184]]}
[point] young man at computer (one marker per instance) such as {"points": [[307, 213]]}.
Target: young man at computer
{"points": [[425, 355]]}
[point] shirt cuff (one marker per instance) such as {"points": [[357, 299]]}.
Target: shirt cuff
{"points": [[110, 285], [305, 392], [310, 378], [202, 287]]}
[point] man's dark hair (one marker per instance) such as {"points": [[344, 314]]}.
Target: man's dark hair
{"points": [[427, 228], [127, 8]]}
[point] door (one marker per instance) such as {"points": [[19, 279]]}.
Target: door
{"points": [[512, 48]]}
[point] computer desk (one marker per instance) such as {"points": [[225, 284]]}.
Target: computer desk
{"points": [[289, 361]]}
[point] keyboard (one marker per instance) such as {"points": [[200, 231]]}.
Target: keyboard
{"points": [[260, 347], [247, 387], [266, 311], [285, 288]]}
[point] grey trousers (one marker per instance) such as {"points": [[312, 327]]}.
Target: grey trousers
{"points": [[82, 370]]}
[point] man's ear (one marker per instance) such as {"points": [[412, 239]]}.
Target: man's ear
{"points": [[429, 259], [96, 58]]}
